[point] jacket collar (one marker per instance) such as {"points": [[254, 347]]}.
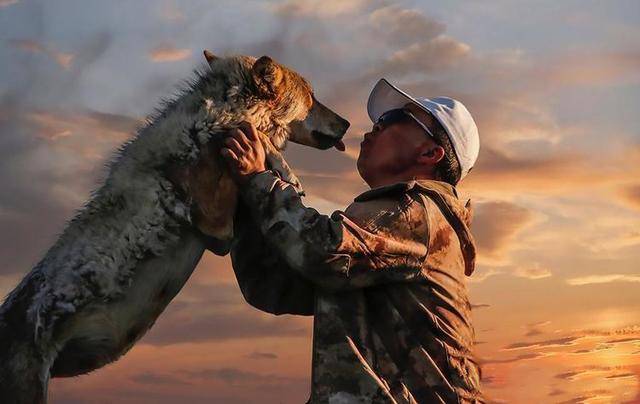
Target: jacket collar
{"points": [[406, 186]]}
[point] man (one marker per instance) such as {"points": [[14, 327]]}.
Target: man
{"points": [[385, 279]]}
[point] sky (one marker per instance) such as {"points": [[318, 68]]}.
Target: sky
{"points": [[553, 86]]}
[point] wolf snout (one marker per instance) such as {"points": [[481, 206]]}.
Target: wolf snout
{"points": [[341, 126], [324, 141]]}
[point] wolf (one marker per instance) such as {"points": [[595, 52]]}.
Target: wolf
{"points": [[167, 197]]}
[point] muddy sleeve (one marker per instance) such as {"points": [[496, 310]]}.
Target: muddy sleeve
{"points": [[333, 252]]}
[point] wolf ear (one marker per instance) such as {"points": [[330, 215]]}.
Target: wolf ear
{"points": [[209, 56], [267, 75]]}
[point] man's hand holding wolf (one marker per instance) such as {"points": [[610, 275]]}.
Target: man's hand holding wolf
{"points": [[244, 152]]}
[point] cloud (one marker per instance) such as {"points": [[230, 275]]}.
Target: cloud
{"points": [[623, 340], [217, 312], [631, 195], [556, 392], [64, 60], [606, 372], [170, 12], [262, 355], [427, 56], [400, 26], [603, 68], [244, 323], [625, 335], [522, 357], [515, 173], [96, 127], [319, 8], [599, 279], [483, 273], [534, 271], [167, 53], [588, 397], [239, 377], [535, 328], [6, 3], [630, 330], [577, 374], [556, 342], [598, 348], [157, 379], [496, 225], [49, 163], [628, 375]]}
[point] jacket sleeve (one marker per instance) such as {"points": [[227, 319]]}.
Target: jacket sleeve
{"points": [[265, 280], [339, 252]]}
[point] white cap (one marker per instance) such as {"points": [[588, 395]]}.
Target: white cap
{"points": [[452, 115]]}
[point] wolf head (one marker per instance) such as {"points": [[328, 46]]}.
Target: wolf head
{"points": [[279, 101]]}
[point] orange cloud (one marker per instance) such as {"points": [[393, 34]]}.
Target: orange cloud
{"points": [[556, 342], [596, 279], [631, 195], [165, 53], [522, 357], [495, 226], [28, 45], [592, 396], [534, 271], [99, 133], [157, 378], [535, 328]]}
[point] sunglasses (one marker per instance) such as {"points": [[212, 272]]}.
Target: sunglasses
{"points": [[400, 115]]}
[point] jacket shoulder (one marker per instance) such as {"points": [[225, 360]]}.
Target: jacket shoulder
{"points": [[396, 212]]}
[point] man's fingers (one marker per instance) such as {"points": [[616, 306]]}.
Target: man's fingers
{"points": [[249, 130], [242, 139], [229, 154], [239, 136], [235, 146]]}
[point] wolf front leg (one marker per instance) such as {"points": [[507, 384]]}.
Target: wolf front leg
{"points": [[276, 162], [24, 371], [23, 376]]}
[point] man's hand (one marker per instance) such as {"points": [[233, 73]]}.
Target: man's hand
{"points": [[243, 152]]}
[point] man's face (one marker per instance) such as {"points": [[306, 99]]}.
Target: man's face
{"points": [[392, 150]]}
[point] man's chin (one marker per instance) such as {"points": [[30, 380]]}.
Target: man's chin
{"points": [[361, 167]]}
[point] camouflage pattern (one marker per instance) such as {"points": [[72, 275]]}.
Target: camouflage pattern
{"points": [[385, 280]]}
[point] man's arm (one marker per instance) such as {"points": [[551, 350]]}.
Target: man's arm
{"points": [[337, 252], [333, 252], [266, 281]]}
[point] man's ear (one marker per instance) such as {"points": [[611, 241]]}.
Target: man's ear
{"points": [[431, 155], [267, 76]]}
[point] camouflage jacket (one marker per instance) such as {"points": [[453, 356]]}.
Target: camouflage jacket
{"points": [[385, 280]]}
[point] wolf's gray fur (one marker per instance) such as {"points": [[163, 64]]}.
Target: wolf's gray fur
{"points": [[132, 247]]}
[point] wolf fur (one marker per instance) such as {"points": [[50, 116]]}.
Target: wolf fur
{"points": [[131, 248]]}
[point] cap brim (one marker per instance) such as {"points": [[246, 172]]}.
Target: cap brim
{"points": [[385, 97]]}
